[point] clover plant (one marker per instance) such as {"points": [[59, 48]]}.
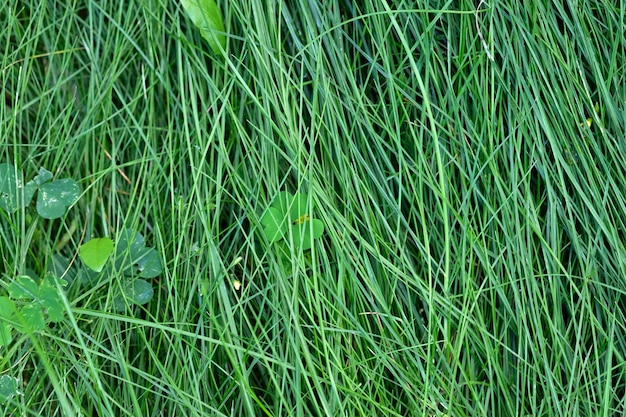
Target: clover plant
{"points": [[53, 199], [28, 306], [289, 215], [28, 303], [133, 260]]}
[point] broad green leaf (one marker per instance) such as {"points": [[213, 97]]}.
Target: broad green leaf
{"points": [[272, 216], [302, 235], [147, 262], [120, 303], [129, 242], [55, 197], [32, 318], [134, 291], [23, 287], [273, 232], [282, 202], [317, 228], [51, 300], [298, 207], [6, 336], [7, 307], [275, 224], [138, 291], [43, 177], [305, 232], [290, 212], [13, 194], [8, 388], [291, 206], [96, 252], [133, 258], [207, 17]]}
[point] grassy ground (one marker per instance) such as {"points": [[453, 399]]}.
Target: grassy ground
{"points": [[468, 169]]}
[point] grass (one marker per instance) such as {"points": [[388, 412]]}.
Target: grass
{"points": [[473, 260]]}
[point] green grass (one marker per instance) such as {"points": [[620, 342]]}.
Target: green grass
{"points": [[473, 262]]}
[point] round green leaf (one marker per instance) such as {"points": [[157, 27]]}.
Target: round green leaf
{"points": [[13, 194], [31, 317], [96, 252], [305, 232], [55, 197], [7, 307], [138, 291], [23, 287], [8, 388], [275, 224], [317, 228], [272, 216], [282, 202], [273, 232], [129, 240], [51, 300], [298, 207], [6, 336], [134, 258], [135, 291], [148, 263]]}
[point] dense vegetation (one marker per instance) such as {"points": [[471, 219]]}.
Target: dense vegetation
{"points": [[468, 167]]}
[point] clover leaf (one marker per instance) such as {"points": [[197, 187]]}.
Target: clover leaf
{"points": [[289, 213], [8, 388], [7, 310], [52, 201], [50, 298], [55, 197], [96, 252], [135, 291], [14, 195], [38, 298], [134, 258], [31, 319], [23, 287]]}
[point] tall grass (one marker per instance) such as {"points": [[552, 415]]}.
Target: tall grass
{"points": [[473, 260]]}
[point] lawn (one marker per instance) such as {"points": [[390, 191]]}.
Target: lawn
{"points": [[462, 164]]}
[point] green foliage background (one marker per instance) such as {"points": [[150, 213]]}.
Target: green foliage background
{"points": [[473, 256]]}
